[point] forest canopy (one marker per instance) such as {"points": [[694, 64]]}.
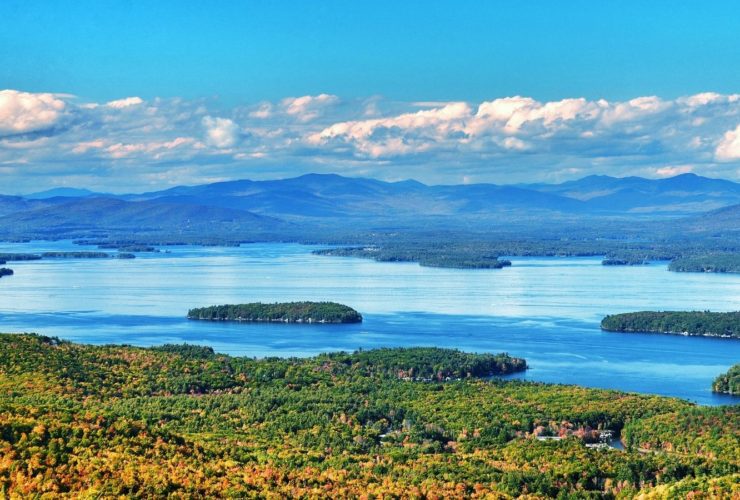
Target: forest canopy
{"points": [[694, 323], [729, 382], [284, 312], [185, 421]]}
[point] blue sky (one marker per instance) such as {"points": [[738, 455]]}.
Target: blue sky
{"points": [[205, 68]]}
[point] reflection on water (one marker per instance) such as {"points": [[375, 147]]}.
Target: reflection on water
{"points": [[544, 309]]}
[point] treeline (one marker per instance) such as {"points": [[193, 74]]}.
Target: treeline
{"points": [[285, 312], [449, 256], [183, 421], [728, 383], [463, 252], [5, 257], [709, 263], [4, 271], [8, 257], [75, 255], [428, 363], [700, 323]]}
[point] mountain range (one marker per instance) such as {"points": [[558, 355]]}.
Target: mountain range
{"points": [[277, 205]]}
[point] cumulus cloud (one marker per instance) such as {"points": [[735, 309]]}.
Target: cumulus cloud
{"points": [[672, 171], [124, 103], [308, 107], [505, 139], [728, 148], [22, 112], [402, 134], [220, 132]]}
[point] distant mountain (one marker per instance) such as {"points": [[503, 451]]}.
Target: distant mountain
{"points": [[10, 204], [316, 195], [335, 202], [682, 194], [330, 195], [721, 221], [108, 214], [63, 192]]}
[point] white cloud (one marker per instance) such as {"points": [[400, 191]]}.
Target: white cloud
{"points": [[85, 146], [22, 112], [728, 148], [382, 136], [264, 111], [124, 103], [673, 170], [307, 107], [509, 139], [220, 132]]}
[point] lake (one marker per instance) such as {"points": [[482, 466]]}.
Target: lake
{"points": [[546, 310]]}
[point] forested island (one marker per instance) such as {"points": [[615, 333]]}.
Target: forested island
{"points": [[691, 323], [75, 255], [184, 421], [8, 257], [710, 263], [728, 383], [285, 312], [454, 257], [5, 257], [4, 271]]}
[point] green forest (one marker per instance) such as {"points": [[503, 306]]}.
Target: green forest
{"points": [[728, 383], [184, 421], [693, 323], [449, 256], [708, 263], [285, 312]]}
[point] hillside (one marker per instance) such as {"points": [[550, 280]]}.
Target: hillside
{"points": [[82, 215], [332, 205], [691, 323], [184, 421], [683, 193]]}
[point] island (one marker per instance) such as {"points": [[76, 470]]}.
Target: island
{"points": [[75, 255], [4, 271], [8, 257], [709, 263], [129, 248], [285, 312], [453, 257], [184, 421], [690, 323], [728, 383]]}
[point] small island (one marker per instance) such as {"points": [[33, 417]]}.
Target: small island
{"points": [[690, 323], [728, 383], [613, 261], [4, 271], [285, 312], [8, 257], [451, 258], [75, 255], [709, 263]]}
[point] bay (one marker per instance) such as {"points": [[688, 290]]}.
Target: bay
{"points": [[546, 310]]}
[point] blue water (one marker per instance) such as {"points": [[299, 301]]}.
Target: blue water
{"points": [[546, 310]]}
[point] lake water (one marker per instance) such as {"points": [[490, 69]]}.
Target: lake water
{"points": [[546, 310]]}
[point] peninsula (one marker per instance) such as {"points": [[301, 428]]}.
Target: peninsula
{"points": [[285, 312], [690, 323], [728, 383]]}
